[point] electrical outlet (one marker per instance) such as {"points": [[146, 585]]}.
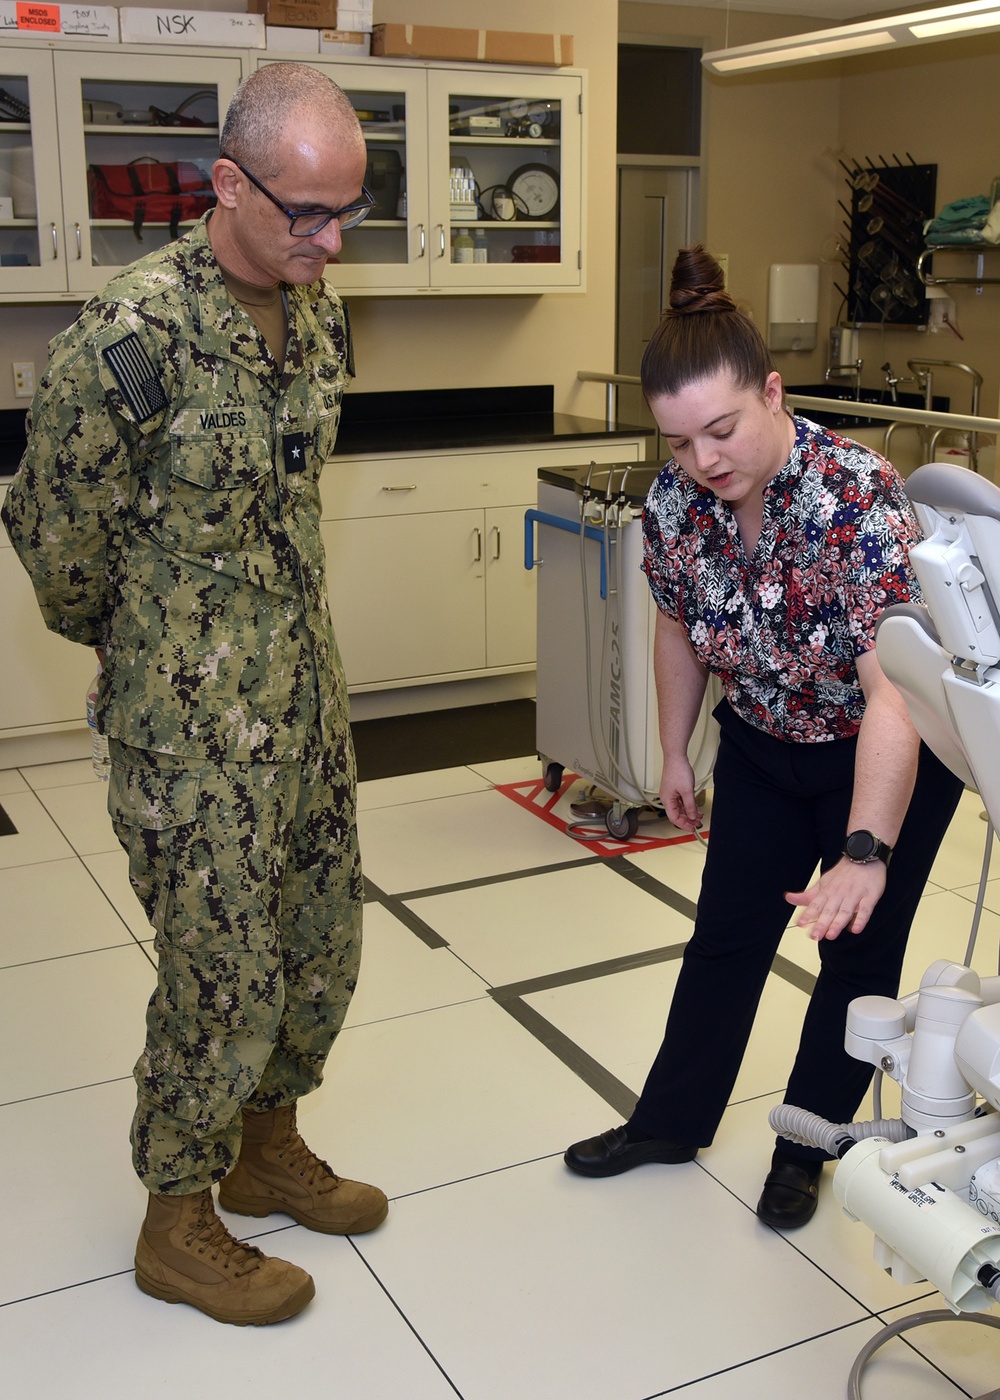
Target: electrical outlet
{"points": [[24, 378]]}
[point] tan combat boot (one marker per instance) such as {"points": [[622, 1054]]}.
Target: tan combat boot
{"points": [[276, 1171], [186, 1255]]}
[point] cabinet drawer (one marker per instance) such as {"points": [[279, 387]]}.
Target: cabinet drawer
{"points": [[355, 487]]}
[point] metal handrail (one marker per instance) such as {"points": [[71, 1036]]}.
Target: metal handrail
{"points": [[964, 422]]}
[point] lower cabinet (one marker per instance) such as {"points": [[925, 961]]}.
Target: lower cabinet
{"points": [[425, 560], [47, 678]]}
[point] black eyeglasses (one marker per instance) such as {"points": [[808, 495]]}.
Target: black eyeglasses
{"points": [[304, 222]]}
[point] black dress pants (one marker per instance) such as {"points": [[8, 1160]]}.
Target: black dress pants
{"points": [[778, 810]]}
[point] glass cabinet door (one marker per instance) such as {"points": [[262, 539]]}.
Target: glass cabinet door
{"points": [[391, 248], [505, 155], [32, 257], [130, 124]]}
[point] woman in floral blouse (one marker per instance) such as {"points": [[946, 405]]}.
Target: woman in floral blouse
{"points": [[772, 546]]}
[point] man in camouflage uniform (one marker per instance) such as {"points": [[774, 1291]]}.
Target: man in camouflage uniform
{"points": [[167, 509]]}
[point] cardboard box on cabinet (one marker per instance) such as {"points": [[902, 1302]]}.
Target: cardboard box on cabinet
{"points": [[471, 45], [316, 14]]}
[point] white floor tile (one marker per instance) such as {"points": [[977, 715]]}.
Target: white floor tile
{"points": [[401, 975], [969, 1353], [820, 1369], [419, 787], [960, 859], [509, 770], [72, 772], [533, 1282], [12, 781], [37, 837], [108, 1341], [678, 867], [941, 930], [53, 910], [69, 1155], [81, 813], [564, 919], [72, 1021], [454, 839], [110, 870], [427, 1099], [619, 1021]]}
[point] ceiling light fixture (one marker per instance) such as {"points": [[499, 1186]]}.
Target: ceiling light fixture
{"points": [[885, 32]]}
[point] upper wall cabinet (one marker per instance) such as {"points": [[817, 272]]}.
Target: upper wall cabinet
{"points": [[478, 177], [63, 113]]}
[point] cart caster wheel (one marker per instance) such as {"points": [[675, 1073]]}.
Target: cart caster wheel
{"points": [[553, 777], [624, 826]]}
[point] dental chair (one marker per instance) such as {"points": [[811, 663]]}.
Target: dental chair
{"points": [[928, 1183]]}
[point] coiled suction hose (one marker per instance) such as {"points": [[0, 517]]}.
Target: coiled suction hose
{"points": [[810, 1130]]}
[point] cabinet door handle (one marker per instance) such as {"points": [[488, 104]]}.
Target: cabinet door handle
{"points": [[496, 541], [440, 229], [423, 240], [413, 487], [55, 241], [79, 242], [479, 545]]}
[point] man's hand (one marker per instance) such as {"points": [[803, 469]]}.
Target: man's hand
{"points": [[841, 899]]}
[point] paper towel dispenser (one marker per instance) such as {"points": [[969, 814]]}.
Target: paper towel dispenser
{"points": [[792, 306]]}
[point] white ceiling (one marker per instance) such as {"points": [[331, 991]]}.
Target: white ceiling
{"points": [[836, 11]]}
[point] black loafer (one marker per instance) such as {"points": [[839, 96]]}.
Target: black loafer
{"points": [[611, 1153], [790, 1195]]}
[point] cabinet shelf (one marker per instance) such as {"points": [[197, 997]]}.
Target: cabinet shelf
{"points": [[530, 142], [977, 249], [128, 129]]}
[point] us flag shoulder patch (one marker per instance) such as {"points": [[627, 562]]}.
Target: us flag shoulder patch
{"points": [[136, 377]]}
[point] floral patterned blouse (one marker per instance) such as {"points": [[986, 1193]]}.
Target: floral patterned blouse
{"points": [[782, 630]]}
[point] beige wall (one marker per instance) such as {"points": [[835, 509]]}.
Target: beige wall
{"points": [[772, 181], [414, 344], [769, 194]]}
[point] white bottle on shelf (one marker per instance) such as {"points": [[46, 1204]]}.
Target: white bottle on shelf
{"points": [[480, 251], [462, 247]]}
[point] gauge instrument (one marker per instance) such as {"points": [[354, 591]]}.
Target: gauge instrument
{"points": [[535, 189]]}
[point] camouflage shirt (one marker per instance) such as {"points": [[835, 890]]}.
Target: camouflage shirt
{"points": [[167, 507]]}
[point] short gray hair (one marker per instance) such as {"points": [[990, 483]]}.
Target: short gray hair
{"points": [[264, 103]]}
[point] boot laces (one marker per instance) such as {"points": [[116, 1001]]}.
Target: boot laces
{"points": [[211, 1236], [303, 1161]]}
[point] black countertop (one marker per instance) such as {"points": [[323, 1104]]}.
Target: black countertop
{"points": [[421, 420]]}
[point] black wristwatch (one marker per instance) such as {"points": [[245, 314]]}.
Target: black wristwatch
{"points": [[862, 847]]}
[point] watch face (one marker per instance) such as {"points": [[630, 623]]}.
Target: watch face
{"points": [[861, 846], [537, 189]]}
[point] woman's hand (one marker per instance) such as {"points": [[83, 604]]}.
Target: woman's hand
{"points": [[677, 794], [841, 899]]}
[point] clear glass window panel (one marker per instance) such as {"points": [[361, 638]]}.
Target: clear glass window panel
{"points": [[177, 106], [146, 123], [504, 178], [383, 121], [18, 236]]}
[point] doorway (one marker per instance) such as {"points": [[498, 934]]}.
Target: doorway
{"points": [[656, 205]]}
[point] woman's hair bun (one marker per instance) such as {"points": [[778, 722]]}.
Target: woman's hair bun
{"points": [[698, 284]]}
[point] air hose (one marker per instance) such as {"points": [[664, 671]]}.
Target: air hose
{"points": [[810, 1130]]}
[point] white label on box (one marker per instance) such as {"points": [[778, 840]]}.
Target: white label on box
{"points": [[282, 38], [344, 42], [59, 21], [209, 27]]}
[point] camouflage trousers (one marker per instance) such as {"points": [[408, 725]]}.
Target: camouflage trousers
{"points": [[251, 878]]}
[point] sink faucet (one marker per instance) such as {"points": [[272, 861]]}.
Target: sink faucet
{"points": [[848, 371]]}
